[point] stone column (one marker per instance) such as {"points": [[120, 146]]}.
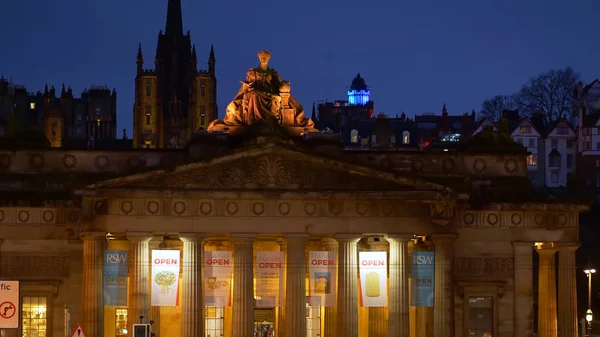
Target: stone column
{"points": [[155, 243], [281, 331], [398, 306], [1, 242], [330, 315], [139, 277], [547, 325], [567, 296], [295, 299], [93, 285], [523, 305], [192, 301], [442, 301], [243, 285], [347, 319]]}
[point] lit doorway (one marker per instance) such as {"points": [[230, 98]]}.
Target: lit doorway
{"points": [[313, 321], [214, 322], [264, 322]]}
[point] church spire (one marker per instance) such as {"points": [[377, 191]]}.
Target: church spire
{"points": [[174, 21]]}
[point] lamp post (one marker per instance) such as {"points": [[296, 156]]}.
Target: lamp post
{"points": [[589, 316]]}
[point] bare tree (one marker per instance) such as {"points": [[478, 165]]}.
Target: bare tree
{"points": [[550, 93], [494, 107]]}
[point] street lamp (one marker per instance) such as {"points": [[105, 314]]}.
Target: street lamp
{"points": [[589, 316]]}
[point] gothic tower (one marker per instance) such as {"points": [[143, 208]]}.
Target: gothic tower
{"points": [[175, 99]]}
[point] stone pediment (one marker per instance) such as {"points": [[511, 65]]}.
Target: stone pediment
{"points": [[270, 169]]}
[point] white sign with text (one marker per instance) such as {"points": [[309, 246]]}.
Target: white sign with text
{"points": [[9, 304]]}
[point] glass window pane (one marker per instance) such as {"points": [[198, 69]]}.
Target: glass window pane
{"points": [[481, 316], [34, 323]]}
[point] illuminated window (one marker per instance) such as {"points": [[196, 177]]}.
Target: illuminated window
{"points": [[313, 321], [121, 322], [481, 316], [214, 322], [525, 129], [532, 160], [405, 137], [354, 136], [34, 317], [32, 106]]}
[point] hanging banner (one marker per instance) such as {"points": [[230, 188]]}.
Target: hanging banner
{"points": [[217, 278], [269, 279], [322, 272], [373, 279], [115, 277], [165, 277], [422, 274]]}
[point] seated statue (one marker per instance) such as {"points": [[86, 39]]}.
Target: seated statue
{"points": [[263, 95]]}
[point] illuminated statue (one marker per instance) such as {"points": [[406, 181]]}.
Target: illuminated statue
{"points": [[263, 94]]}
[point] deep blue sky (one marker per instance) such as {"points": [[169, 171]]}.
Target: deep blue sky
{"points": [[415, 55]]}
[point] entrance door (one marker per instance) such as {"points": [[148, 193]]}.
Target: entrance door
{"points": [[313, 321], [264, 322]]}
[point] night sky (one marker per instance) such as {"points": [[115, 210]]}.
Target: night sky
{"points": [[415, 55]]}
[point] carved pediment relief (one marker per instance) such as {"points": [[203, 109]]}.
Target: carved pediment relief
{"points": [[271, 169], [270, 172]]}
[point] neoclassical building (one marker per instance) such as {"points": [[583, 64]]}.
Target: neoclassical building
{"points": [[269, 235]]}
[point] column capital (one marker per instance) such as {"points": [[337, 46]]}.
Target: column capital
{"points": [[443, 237], [523, 244], [299, 237], [353, 238], [567, 246], [548, 250], [192, 237], [400, 238], [139, 236], [243, 237], [92, 236]]}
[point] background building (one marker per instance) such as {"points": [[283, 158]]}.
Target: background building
{"points": [[65, 120], [175, 99]]}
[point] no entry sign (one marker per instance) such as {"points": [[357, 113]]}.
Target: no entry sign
{"points": [[9, 304]]}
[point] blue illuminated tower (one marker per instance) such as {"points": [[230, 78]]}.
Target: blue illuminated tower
{"points": [[359, 93]]}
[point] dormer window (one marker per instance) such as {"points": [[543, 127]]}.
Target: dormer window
{"points": [[354, 136], [525, 129], [562, 130], [405, 137]]}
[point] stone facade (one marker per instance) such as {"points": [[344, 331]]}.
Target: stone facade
{"points": [[474, 211]]}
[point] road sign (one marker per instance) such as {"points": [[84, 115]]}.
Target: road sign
{"points": [[78, 332], [9, 304]]}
